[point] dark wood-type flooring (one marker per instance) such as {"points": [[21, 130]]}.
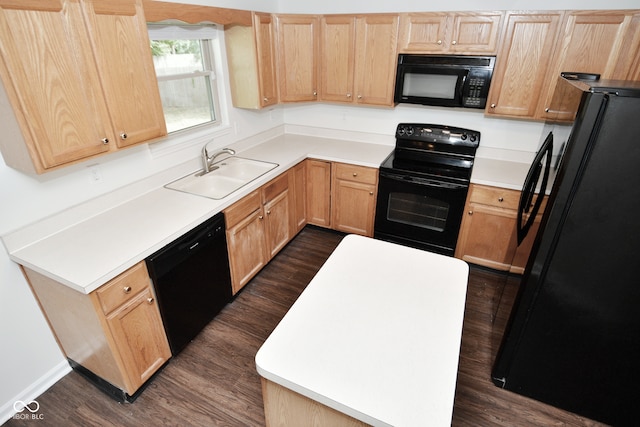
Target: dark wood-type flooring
{"points": [[213, 382]]}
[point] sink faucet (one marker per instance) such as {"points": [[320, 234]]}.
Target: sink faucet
{"points": [[207, 160]]}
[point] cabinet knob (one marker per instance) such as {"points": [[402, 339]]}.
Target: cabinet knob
{"points": [[123, 135], [126, 289], [268, 212], [355, 174], [501, 199], [439, 41], [348, 95], [493, 105], [470, 213], [454, 42], [105, 141], [359, 96], [546, 110], [265, 99], [315, 93], [260, 217], [150, 300], [371, 193]]}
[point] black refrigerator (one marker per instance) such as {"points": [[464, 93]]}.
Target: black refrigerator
{"points": [[573, 338]]}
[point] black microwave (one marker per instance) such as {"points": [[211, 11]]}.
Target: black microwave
{"points": [[444, 80]]}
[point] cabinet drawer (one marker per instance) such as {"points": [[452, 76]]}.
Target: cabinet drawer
{"points": [[494, 196], [241, 209], [122, 288], [356, 173], [275, 187]]}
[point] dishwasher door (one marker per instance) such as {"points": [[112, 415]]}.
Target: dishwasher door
{"points": [[192, 281]]}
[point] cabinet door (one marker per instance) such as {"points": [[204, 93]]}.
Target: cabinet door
{"points": [[375, 69], [297, 57], [265, 47], [475, 32], [337, 57], [121, 44], [277, 226], [319, 193], [628, 66], [299, 204], [52, 81], [591, 44], [353, 207], [487, 236], [423, 32], [139, 338], [247, 249], [522, 64]]}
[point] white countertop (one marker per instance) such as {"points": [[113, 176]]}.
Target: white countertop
{"points": [[87, 245], [375, 335], [98, 244]]}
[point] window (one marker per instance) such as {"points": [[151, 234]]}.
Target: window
{"points": [[183, 56]]}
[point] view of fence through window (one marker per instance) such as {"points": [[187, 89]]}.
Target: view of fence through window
{"points": [[184, 70]]}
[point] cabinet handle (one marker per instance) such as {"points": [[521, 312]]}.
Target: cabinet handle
{"points": [[493, 105], [105, 141], [123, 135], [150, 300], [439, 41], [126, 289], [501, 199]]}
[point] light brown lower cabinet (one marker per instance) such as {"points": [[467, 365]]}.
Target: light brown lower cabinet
{"points": [[488, 231], [115, 332], [319, 192], [284, 407], [353, 198], [258, 226]]}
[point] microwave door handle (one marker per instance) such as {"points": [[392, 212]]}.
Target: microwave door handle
{"points": [[461, 90]]}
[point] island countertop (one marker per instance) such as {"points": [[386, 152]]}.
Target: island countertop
{"points": [[375, 335]]}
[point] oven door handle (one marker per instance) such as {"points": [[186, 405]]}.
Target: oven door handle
{"points": [[425, 182]]}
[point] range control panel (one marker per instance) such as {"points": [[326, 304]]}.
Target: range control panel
{"points": [[438, 134]]}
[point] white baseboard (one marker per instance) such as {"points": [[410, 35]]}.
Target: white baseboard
{"points": [[31, 393]]}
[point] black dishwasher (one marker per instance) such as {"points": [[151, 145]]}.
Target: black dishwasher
{"points": [[192, 281]]}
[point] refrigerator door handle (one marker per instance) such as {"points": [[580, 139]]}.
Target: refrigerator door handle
{"points": [[529, 188]]}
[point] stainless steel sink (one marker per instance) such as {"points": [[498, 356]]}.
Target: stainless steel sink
{"points": [[224, 178]]}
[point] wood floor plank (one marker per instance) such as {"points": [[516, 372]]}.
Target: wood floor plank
{"points": [[213, 382]]}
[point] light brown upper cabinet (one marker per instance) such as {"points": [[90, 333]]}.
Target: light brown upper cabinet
{"points": [[591, 43], [628, 66], [528, 41], [252, 62], [79, 78], [358, 58], [467, 33], [297, 47]]}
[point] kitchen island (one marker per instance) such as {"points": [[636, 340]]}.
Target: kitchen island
{"points": [[373, 339]]}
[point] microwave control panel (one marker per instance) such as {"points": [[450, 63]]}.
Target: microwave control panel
{"points": [[476, 88]]}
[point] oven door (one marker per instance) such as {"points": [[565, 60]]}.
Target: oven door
{"points": [[418, 212]]}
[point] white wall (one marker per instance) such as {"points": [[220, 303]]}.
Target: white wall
{"points": [[30, 358]]}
